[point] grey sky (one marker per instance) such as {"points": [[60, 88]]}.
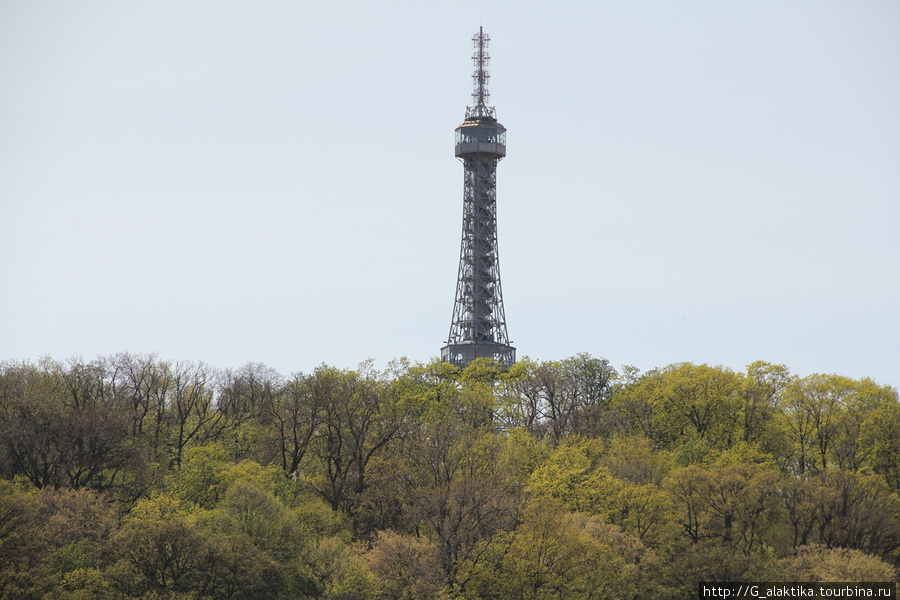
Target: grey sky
{"points": [[701, 181]]}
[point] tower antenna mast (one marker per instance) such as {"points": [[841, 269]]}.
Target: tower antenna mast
{"points": [[481, 96]]}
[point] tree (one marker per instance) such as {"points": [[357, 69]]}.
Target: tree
{"points": [[643, 511], [553, 399], [194, 417], [469, 491], [521, 404], [590, 383], [632, 458], [53, 543], [843, 509], [62, 426], [880, 442], [405, 567], [866, 399], [19, 551], [553, 554], [199, 479], [337, 571], [633, 411], [296, 416], [161, 550], [247, 392], [142, 380], [359, 416], [802, 498], [819, 563], [574, 475], [683, 403], [762, 393], [733, 503], [684, 566], [814, 407], [698, 401], [861, 514], [248, 398], [687, 488]]}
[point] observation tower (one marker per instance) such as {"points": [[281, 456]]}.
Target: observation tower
{"points": [[478, 327]]}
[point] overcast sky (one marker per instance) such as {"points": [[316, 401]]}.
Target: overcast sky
{"points": [[714, 182]]}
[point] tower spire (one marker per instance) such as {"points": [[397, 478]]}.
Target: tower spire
{"points": [[481, 58], [478, 327]]}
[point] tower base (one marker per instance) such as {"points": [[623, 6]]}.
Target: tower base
{"points": [[462, 354]]}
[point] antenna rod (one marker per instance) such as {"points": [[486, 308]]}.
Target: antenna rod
{"points": [[481, 96]]}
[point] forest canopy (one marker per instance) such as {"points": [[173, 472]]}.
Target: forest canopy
{"points": [[130, 476]]}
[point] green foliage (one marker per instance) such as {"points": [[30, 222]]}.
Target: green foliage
{"points": [[46, 535], [880, 441], [199, 480], [133, 477], [554, 554], [733, 503], [684, 565], [337, 571], [557, 398], [632, 457], [573, 475], [840, 565], [405, 567]]}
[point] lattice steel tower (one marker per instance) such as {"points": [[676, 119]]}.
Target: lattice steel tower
{"points": [[478, 328]]}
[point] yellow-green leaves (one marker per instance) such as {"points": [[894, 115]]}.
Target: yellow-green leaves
{"points": [[554, 553]]}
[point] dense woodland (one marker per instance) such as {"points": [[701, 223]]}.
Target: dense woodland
{"points": [[134, 477]]}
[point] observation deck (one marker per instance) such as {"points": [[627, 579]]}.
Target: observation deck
{"points": [[481, 135]]}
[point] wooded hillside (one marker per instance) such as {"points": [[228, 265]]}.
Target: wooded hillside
{"points": [[135, 477]]}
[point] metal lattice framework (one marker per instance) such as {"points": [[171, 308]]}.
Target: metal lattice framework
{"points": [[481, 96], [478, 328]]}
